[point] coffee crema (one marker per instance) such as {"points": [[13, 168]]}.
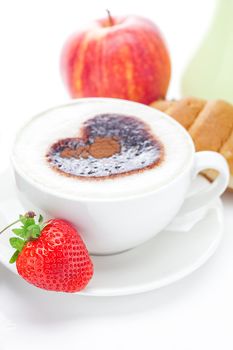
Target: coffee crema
{"points": [[109, 145], [129, 148]]}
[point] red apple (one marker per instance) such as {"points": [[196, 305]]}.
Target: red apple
{"points": [[121, 57]]}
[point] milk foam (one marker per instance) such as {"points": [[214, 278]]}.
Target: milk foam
{"points": [[35, 139]]}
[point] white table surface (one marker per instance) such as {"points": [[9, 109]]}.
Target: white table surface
{"points": [[195, 313]]}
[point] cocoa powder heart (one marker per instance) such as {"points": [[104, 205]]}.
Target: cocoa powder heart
{"points": [[102, 147], [110, 145]]}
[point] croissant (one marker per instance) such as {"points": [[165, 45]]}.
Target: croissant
{"points": [[210, 124]]}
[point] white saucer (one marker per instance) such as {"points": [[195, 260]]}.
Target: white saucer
{"points": [[163, 260]]}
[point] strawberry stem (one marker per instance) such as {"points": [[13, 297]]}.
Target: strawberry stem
{"points": [[8, 226], [29, 215]]}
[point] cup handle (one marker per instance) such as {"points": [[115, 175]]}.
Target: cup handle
{"points": [[193, 207]]}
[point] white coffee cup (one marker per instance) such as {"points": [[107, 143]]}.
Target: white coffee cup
{"points": [[115, 224]]}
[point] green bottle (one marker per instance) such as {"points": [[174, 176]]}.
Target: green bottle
{"points": [[210, 73]]}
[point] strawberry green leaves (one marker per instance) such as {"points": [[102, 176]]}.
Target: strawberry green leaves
{"points": [[28, 231], [40, 220], [17, 243], [14, 257]]}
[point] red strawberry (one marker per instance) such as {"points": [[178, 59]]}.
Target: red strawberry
{"points": [[51, 256]]}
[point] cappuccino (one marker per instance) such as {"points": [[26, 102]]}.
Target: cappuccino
{"points": [[102, 148], [109, 145]]}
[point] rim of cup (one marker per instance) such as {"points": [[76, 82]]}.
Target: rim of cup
{"points": [[53, 192]]}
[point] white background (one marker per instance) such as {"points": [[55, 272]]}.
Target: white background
{"points": [[196, 313]]}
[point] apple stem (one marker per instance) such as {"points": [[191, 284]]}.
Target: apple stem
{"points": [[110, 19]]}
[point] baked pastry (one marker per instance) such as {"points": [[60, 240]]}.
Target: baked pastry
{"points": [[210, 124]]}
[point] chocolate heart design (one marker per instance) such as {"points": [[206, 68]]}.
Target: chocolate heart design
{"points": [[110, 145]]}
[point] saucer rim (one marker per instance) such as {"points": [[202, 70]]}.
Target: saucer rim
{"points": [[147, 287], [90, 291], [155, 285]]}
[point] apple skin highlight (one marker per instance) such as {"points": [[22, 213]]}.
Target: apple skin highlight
{"points": [[127, 60]]}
